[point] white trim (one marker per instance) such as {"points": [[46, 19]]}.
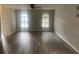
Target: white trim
{"points": [[77, 50]]}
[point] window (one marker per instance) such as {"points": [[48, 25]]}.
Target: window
{"points": [[45, 20], [24, 20]]}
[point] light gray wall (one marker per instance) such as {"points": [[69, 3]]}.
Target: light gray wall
{"points": [[35, 17], [0, 22], [8, 24], [67, 24], [0, 27]]}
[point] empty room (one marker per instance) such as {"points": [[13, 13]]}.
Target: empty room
{"points": [[39, 29]]}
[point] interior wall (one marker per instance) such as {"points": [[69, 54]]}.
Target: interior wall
{"points": [[35, 18], [67, 24], [8, 23], [0, 22]]}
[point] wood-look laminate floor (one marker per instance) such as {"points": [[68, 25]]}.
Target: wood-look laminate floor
{"points": [[1, 48], [36, 43]]}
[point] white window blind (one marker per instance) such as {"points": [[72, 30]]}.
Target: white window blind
{"points": [[24, 20]]}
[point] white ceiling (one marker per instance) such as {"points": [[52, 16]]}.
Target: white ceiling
{"points": [[27, 6]]}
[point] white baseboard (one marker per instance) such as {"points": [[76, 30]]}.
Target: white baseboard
{"points": [[77, 50]]}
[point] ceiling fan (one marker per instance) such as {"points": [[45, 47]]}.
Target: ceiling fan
{"points": [[33, 6]]}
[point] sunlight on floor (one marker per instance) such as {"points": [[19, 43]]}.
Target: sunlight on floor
{"points": [[5, 44]]}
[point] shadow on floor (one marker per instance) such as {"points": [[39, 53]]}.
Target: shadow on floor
{"points": [[1, 48]]}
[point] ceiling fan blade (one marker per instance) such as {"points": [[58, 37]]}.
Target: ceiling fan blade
{"points": [[32, 6]]}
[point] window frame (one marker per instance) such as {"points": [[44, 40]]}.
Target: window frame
{"points": [[45, 23], [24, 22]]}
